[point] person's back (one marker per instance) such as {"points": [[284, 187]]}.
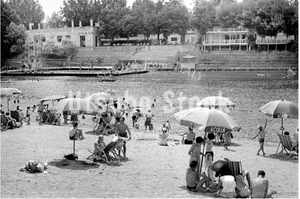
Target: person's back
{"points": [[195, 150], [191, 176], [191, 136], [259, 187], [228, 183]]}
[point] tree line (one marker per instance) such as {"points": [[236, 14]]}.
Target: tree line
{"points": [[116, 19]]}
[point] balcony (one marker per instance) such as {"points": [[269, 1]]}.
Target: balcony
{"points": [[215, 29], [273, 41], [227, 42]]}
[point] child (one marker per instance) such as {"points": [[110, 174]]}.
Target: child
{"points": [[163, 136], [195, 150], [192, 178], [226, 137], [57, 119], [28, 115], [209, 144]]}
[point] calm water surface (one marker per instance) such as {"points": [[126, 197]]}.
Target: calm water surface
{"points": [[247, 90]]}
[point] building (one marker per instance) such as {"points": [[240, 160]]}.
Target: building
{"points": [[81, 36]]}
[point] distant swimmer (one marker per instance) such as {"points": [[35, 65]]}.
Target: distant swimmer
{"points": [[291, 74]]}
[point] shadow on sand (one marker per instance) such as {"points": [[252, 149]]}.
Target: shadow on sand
{"points": [[205, 194], [73, 164], [283, 157]]}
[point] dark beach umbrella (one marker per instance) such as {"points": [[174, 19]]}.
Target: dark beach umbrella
{"points": [[280, 109], [218, 165]]}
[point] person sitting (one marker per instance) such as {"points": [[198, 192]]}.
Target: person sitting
{"points": [[243, 190], [76, 133], [226, 183], [190, 136], [11, 121], [57, 119], [163, 136], [34, 166], [192, 177], [195, 150], [260, 186], [99, 145]]}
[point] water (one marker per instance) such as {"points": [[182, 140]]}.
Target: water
{"points": [[247, 90]]}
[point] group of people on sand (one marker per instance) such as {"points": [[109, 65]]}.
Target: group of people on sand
{"points": [[222, 183]]}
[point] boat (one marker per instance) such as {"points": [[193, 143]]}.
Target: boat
{"points": [[134, 72]]}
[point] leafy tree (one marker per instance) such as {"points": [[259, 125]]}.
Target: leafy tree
{"points": [[203, 18], [78, 10], [111, 16], [143, 12], [128, 26], [15, 38], [55, 20], [28, 11], [177, 17], [228, 15]]}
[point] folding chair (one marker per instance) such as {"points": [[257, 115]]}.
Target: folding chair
{"points": [[104, 154], [287, 145], [4, 122], [15, 115]]}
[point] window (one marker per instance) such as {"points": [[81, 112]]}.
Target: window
{"points": [[173, 38], [59, 38], [68, 36]]}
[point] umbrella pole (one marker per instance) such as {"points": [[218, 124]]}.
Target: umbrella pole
{"points": [[74, 147], [201, 162], [282, 129], [8, 105]]}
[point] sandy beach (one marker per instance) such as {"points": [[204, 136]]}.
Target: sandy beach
{"points": [[151, 171]]}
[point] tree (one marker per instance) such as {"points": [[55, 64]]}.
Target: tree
{"points": [[111, 16], [177, 17], [203, 18], [28, 11], [142, 12], [15, 38], [56, 20], [78, 10], [227, 15]]}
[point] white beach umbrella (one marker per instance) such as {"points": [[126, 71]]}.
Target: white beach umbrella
{"points": [[9, 93], [102, 96], [216, 102], [76, 104]]}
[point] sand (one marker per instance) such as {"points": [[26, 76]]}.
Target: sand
{"points": [[151, 170]]}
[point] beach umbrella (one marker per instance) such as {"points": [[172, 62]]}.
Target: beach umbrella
{"points": [[9, 93], [53, 98], [97, 97], [215, 102], [209, 119], [280, 109], [76, 104]]}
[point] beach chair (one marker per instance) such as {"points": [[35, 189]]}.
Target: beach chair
{"points": [[4, 122], [15, 115], [235, 167], [287, 145]]}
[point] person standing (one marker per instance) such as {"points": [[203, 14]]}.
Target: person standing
{"points": [[261, 133], [41, 109], [123, 131], [149, 116]]}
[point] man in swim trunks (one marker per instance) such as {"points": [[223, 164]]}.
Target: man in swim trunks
{"points": [[123, 131], [261, 133]]}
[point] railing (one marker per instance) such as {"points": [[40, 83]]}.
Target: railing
{"points": [[273, 41], [229, 41], [228, 30]]}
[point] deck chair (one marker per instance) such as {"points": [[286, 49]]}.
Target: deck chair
{"points": [[287, 145], [4, 123], [15, 115], [105, 154], [235, 167]]}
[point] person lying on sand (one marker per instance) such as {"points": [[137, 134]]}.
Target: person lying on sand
{"points": [[192, 177], [34, 166], [260, 186]]}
